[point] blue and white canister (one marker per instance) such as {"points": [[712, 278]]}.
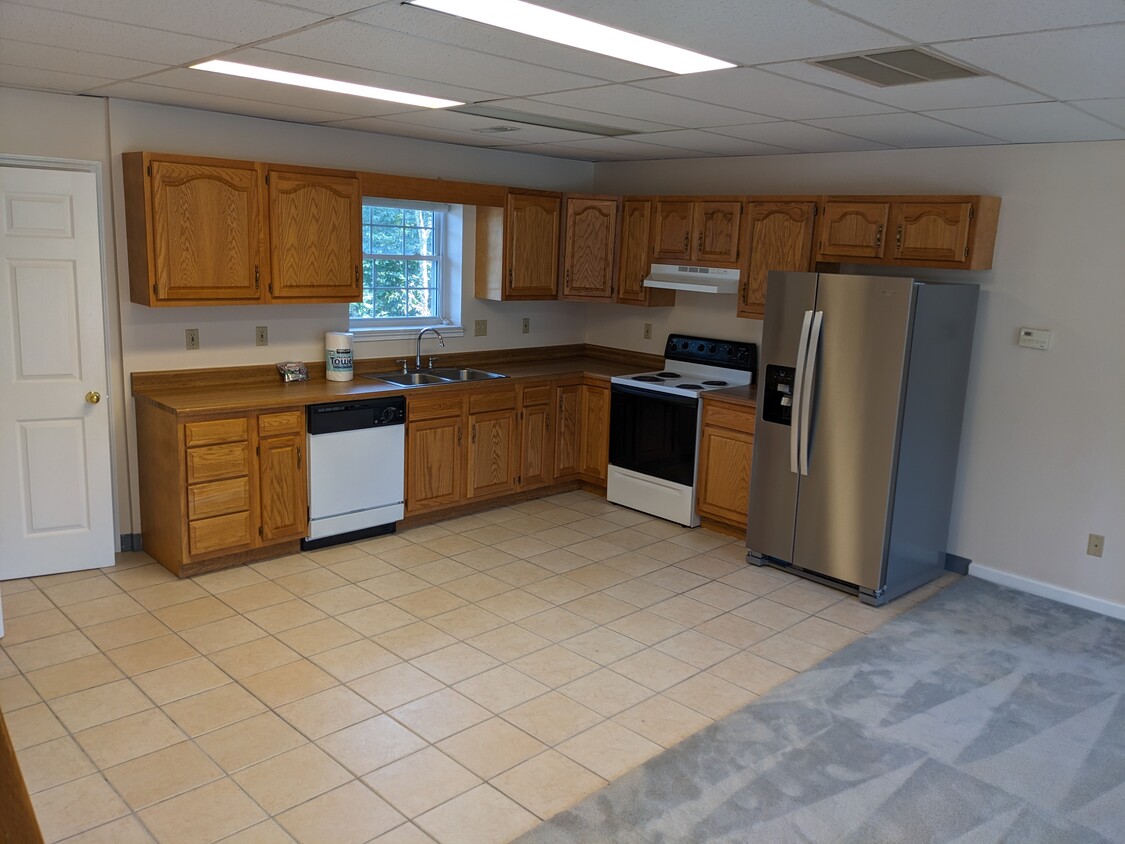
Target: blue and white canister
{"points": [[338, 356]]}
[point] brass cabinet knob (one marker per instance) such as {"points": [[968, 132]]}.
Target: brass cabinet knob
{"points": [[93, 397]]}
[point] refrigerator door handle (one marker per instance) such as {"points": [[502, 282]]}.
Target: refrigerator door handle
{"points": [[795, 417], [806, 396]]}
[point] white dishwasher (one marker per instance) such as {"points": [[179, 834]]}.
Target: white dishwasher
{"points": [[356, 469]]}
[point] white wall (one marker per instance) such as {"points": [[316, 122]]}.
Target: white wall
{"points": [[1043, 451]]}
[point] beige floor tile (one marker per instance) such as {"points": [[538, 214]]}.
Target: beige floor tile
{"points": [[560, 560], [326, 712], [33, 725], [50, 650], [26, 602], [128, 738], [662, 720], [600, 608], [421, 781], [548, 783], [248, 742], [16, 692], [635, 563], [181, 680], [491, 747], [790, 651], [255, 596], [76, 806], [555, 666], [451, 544], [429, 602], [65, 577], [287, 683], [734, 552], [490, 534], [207, 814], [807, 597], [440, 714], [606, 692], [442, 570], [406, 833], [674, 579], [291, 778], [454, 663], [627, 518], [719, 594], [752, 672], [770, 614], [851, 613], [319, 636], [735, 630], [609, 749], [54, 763], [508, 643], [229, 579], [377, 618], [654, 669], [556, 624], [481, 816], [382, 543], [667, 552], [212, 710], [80, 591], [603, 646], [74, 676], [562, 537], [712, 568], [266, 832], [254, 657], [335, 554], [126, 631], [639, 593], [350, 814], [699, 540], [824, 633], [371, 744], [424, 533], [126, 830], [163, 774], [222, 634], [564, 516], [645, 627], [523, 547], [361, 569], [286, 616], [193, 613], [98, 610], [467, 621], [409, 556], [597, 550], [684, 610], [710, 695], [414, 640], [394, 686], [753, 580], [311, 582], [284, 566], [95, 706], [167, 594], [477, 586], [697, 649], [516, 604], [596, 506], [393, 585], [38, 625], [152, 654], [501, 688], [520, 573], [350, 662], [526, 524], [552, 718], [344, 599]]}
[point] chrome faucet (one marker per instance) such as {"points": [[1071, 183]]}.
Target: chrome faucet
{"points": [[418, 346]]}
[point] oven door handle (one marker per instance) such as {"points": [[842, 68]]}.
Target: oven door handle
{"points": [[798, 384], [641, 392]]}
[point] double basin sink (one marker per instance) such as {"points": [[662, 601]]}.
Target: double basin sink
{"points": [[417, 378]]}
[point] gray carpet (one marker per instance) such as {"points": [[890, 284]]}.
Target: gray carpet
{"points": [[982, 715]]}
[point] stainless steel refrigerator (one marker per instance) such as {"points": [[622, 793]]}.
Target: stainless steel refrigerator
{"points": [[860, 399]]}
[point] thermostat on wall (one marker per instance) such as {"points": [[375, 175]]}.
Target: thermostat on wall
{"points": [[1035, 338]]}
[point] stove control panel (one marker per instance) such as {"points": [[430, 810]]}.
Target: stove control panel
{"points": [[730, 354]]}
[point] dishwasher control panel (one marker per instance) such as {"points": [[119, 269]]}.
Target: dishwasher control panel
{"points": [[356, 415]]}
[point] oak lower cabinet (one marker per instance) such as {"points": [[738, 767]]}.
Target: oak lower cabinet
{"points": [[568, 429], [434, 452], [594, 453], [493, 452], [635, 258], [779, 236], [590, 248], [726, 447], [220, 490], [518, 247], [536, 461]]}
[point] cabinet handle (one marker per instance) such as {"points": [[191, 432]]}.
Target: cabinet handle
{"points": [[458, 436], [474, 434], [878, 237], [700, 242], [898, 237], [298, 457], [509, 276], [687, 242], [357, 276], [257, 277]]}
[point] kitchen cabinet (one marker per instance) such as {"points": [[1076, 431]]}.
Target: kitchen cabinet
{"points": [[590, 248], [434, 456], [726, 447], [568, 430], [219, 490], [518, 247], [779, 236], [493, 451], [636, 258], [957, 232], [206, 231], [697, 229], [536, 437], [594, 452]]}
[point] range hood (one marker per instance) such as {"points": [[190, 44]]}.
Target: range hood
{"points": [[693, 279]]}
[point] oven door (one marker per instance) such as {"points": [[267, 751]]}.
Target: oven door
{"points": [[653, 433]]}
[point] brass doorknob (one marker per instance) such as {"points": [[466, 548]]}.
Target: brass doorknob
{"points": [[93, 397]]}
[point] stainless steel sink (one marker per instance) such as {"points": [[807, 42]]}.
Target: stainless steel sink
{"points": [[434, 376], [467, 374]]}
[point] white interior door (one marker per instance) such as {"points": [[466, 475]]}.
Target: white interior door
{"points": [[56, 497]]}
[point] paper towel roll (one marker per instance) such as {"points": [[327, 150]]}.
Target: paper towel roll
{"points": [[338, 356]]}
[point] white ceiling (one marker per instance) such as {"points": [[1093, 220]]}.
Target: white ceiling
{"points": [[1055, 70]]}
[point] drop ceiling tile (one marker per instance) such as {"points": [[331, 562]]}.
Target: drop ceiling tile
{"points": [[74, 32], [950, 19], [1032, 123], [384, 126], [330, 7], [215, 102], [1112, 110], [653, 106], [944, 93], [539, 107], [635, 150], [905, 130], [523, 132], [1073, 64], [565, 151], [694, 139], [800, 137], [38, 56], [740, 32], [766, 94], [17, 76], [369, 47], [246, 20]]}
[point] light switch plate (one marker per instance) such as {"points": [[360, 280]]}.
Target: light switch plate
{"points": [[1035, 338]]}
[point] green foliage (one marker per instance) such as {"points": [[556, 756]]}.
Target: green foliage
{"points": [[400, 266]]}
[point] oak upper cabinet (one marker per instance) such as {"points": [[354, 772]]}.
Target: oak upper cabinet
{"points": [[281, 475], [536, 437], [568, 429], [434, 452], [726, 446], [635, 258], [852, 231], [195, 230], [493, 451], [315, 220], [518, 247], [594, 451], [703, 230], [779, 236], [590, 251]]}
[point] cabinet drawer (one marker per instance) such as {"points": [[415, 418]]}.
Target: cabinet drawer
{"points": [[214, 462], [218, 498], [207, 536], [727, 416], [215, 431], [435, 407], [272, 424], [486, 402], [536, 395]]}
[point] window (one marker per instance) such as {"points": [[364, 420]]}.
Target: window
{"points": [[404, 265]]}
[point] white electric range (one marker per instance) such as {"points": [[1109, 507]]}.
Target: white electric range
{"points": [[654, 424]]}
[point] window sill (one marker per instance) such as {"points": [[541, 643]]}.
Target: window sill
{"points": [[402, 332]]}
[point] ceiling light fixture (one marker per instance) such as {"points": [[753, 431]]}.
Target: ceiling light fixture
{"points": [[538, 22], [319, 83]]}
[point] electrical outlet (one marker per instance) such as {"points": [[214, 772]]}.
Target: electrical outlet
{"points": [[648, 330], [1095, 545], [261, 335], [526, 325], [191, 338], [481, 328]]}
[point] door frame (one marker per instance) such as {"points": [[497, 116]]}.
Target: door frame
{"points": [[31, 162]]}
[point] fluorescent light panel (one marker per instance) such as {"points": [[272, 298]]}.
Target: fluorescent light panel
{"points": [[320, 83], [538, 22]]}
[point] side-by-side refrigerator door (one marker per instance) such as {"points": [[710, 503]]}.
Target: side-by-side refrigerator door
{"points": [[773, 479]]}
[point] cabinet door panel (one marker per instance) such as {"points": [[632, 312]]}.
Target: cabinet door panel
{"points": [[218, 498], [532, 246], [673, 223], [222, 533], [284, 493], [591, 235], [724, 473], [213, 462], [568, 433], [595, 432], [535, 446], [932, 231], [780, 237], [852, 230], [433, 461], [716, 231], [492, 452]]}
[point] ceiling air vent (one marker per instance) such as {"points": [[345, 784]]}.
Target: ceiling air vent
{"points": [[896, 67]]}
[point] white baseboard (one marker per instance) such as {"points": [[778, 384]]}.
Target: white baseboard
{"points": [[1047, 590]]}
